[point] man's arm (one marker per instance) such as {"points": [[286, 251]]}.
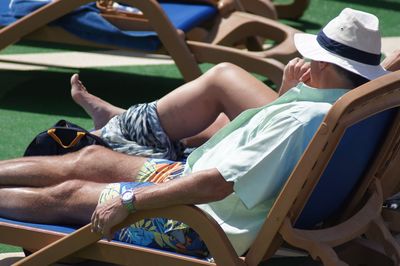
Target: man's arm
{"points": [[200, 187]]}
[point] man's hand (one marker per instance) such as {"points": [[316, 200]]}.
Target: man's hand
{"points": [[108, 215], [297, 70]]}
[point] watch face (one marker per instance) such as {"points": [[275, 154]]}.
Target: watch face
{"points": [[127, 195], [127, 199]]}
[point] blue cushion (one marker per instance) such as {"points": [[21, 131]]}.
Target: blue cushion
{"points": [[55, 228], [342, 175], [87, 23], [5, 13]]}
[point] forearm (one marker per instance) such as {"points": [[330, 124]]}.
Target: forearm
{"points": [[202, 187]]}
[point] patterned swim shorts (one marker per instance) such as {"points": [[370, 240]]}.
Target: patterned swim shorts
{"points": [[159, 233], [138, 132], [160, 171]]}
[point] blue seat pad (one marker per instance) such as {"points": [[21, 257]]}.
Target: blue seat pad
{"points": [[48, 227], [87, 23]]}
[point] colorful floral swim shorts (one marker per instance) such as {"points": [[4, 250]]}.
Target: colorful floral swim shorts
{"points": [[159, 233]]}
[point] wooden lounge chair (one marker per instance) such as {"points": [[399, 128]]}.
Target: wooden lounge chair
{"points": [[269, 9], [387, 170], [213, 44], [345, 154], [293, 10]]}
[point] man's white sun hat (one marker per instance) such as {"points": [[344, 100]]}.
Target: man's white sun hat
{"points": [[351, 40]]}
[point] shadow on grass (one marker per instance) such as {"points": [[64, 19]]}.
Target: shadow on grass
{"points": [[48, 92]]}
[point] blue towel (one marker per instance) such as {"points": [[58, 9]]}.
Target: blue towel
{"points": [[87, 23]]}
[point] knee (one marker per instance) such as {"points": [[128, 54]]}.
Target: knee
{"points": [[65, 191], [62, 192], [90, 153], [220, 74], [223, 69], [76, 163], [91, 150], [69, 202]]}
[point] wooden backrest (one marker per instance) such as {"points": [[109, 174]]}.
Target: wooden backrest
{"points": [[356, 151], [327, 160]]}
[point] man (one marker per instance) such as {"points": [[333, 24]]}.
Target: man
{"points": [[235, 176]]}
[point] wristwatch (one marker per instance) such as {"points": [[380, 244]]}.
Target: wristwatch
{"points": [[128, 200]]}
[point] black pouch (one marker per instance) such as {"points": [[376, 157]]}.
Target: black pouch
{"points": [[64, 137]]}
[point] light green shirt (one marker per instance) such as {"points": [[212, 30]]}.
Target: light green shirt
{"points": [[257, 151]]}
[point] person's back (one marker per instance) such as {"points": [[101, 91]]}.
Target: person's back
{"points": [[258, 150], [259, 155]]}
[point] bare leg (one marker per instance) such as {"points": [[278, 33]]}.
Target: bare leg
{"points": [[93, 163], [225, 88], [199, 139], [71, 202], [99, 110], [194, 109]]}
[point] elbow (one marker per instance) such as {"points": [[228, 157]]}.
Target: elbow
{"points": [[223, 191], [218, 186]]}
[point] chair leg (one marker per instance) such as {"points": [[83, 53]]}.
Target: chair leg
{"points": [[362, 251], [327, 255], [313, 245], [379, 232]]}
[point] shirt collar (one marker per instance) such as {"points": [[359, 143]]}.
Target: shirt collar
{"points": [[302, 92]]}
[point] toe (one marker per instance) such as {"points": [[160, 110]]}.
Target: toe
{"points": [[74, 79]]}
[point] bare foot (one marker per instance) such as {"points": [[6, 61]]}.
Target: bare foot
{"points": [[99, 110]]}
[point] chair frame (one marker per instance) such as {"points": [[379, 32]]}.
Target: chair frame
{"points": [[293, 10], [358, 104], [269, 9], [386, 170], [186, 53]]}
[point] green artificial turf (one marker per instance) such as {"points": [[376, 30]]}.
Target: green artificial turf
{"points": [[6, 249], [322, 11], [31, 101]]}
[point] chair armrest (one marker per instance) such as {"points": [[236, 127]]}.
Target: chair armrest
{"points": [[211, 53], [208, 229], [211, 233], [239, 26]]}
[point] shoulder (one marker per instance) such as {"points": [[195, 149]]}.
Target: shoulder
{"points": [[306, 112]]}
